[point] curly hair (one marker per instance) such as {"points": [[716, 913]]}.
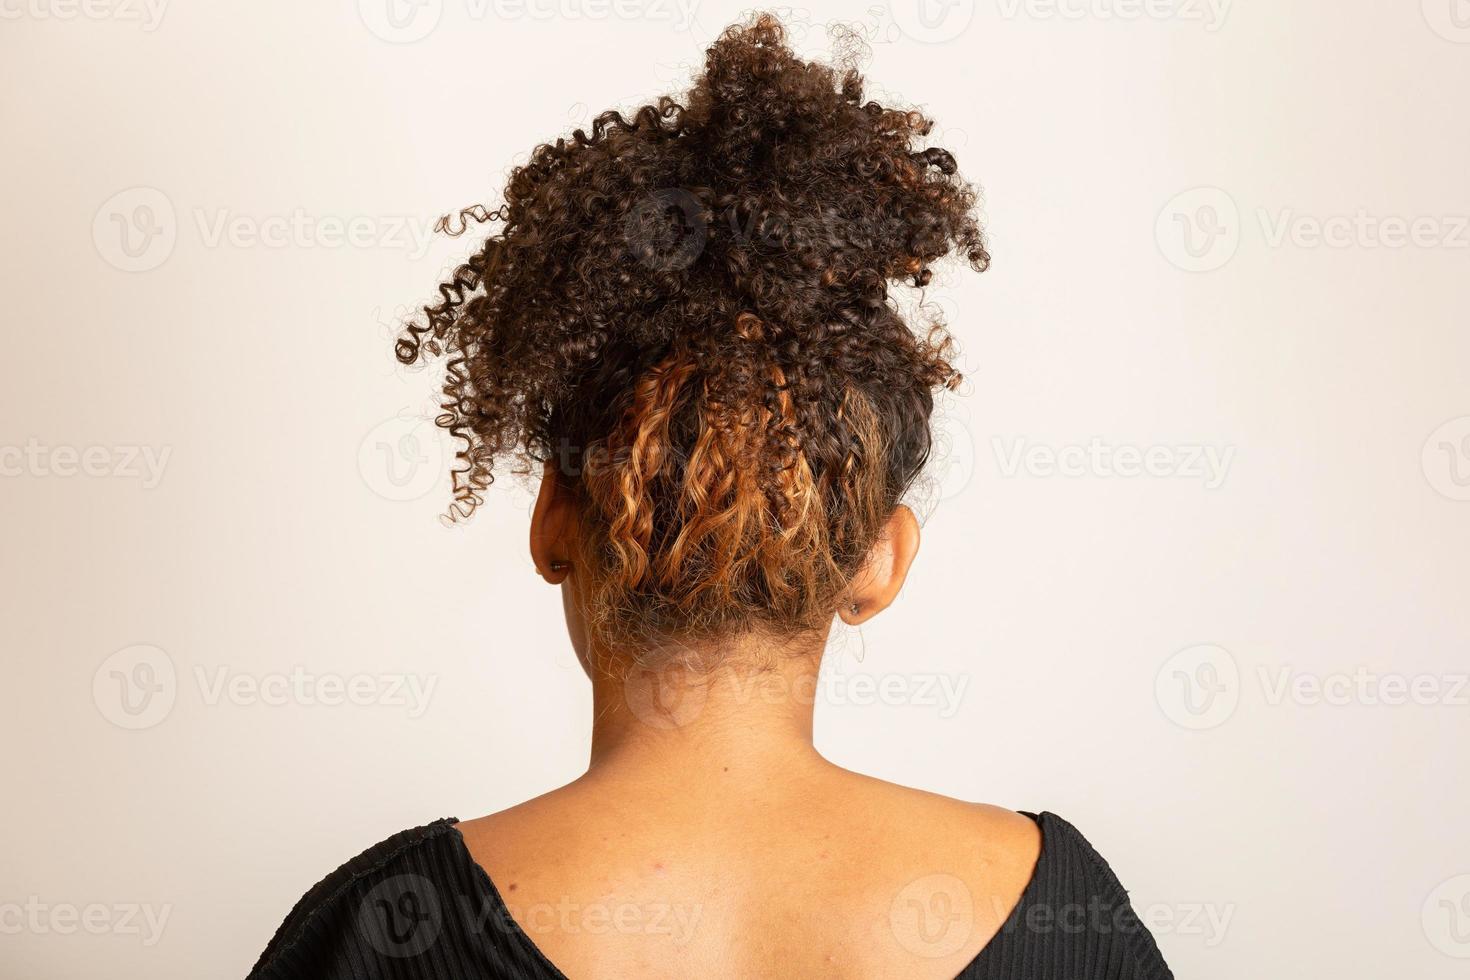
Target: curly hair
{"points": [[687, 313]]}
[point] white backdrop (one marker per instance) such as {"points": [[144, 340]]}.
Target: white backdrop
{"points": [[1197, 581]]}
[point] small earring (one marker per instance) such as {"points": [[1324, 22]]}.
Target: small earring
{"points": [[558, 566], [854, 608]]}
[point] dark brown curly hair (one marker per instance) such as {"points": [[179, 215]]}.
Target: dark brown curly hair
{"points": [[687, 312]]}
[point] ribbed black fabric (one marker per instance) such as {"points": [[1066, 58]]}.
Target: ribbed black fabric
{"points": [[1073, 921], [417, 907]]}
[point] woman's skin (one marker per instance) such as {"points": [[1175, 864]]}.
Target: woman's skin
{"points": [[708, 838]]}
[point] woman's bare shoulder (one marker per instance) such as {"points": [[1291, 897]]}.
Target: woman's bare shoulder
{"points": [[991, 844]]}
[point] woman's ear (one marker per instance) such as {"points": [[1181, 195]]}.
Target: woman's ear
{"points": [[882, 576], [553, 524]]}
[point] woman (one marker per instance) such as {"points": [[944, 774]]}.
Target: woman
{"points": [[685, 317]]}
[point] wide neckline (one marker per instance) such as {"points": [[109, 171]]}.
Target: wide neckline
{"points": [[500, 910], [528, 945]]}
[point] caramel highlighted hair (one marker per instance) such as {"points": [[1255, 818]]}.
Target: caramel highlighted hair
{"points": [[687, 312]]}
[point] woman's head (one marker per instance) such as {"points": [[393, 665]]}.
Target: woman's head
{"points": [[685, 315]]}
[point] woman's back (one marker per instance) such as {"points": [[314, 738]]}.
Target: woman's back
{"points": [[806, 871], [846, 877]]}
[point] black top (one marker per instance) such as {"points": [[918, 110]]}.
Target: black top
{"points": [[417, 907]]}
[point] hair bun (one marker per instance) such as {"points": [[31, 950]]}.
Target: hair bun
{"points": [[694, 301]]}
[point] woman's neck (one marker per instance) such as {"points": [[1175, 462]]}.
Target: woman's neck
{"points": [[739, 721]]}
